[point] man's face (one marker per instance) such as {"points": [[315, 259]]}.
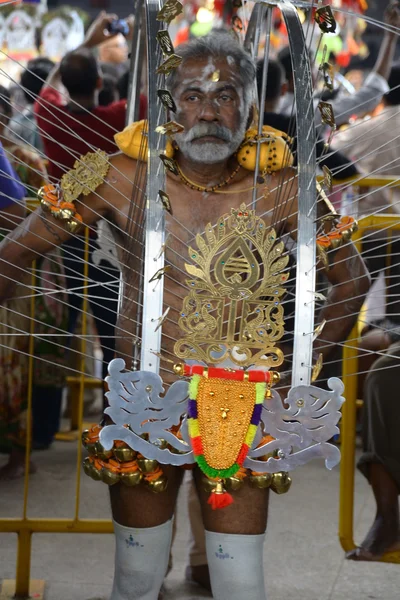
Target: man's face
{"points": [[210, 105]]}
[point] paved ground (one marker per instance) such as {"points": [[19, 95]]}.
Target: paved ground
{"points": [[303, 558]]}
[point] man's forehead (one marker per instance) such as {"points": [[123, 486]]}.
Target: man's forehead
{"points": [[208, 69]]}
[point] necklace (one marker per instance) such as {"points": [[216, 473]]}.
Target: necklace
{"points": [[200, 188]]}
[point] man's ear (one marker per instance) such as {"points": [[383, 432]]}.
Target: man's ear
{"points": [[99, 83], [284, 88]]}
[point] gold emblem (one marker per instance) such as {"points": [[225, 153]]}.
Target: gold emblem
{"points": [[170, 164], [172, 62], [328, 178], [170, 10], [317, 368], [327, 114], [159, 274], [319, 328], [233, 309], [170, 128], [329, 75], [86, 176], [167, 100], [165, 42], [215, 76], [165, 201], [325, 19]]}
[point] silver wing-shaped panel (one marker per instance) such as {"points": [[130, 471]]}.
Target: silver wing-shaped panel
{"points": [[143, 414]]}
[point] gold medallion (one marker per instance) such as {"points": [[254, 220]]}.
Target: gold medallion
{"points": [[233, 310], [172, 62]]}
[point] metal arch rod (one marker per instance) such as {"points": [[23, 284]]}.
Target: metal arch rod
{"points": [[136, 62], [252, 38], [306, 250], [133, 104], [155, 218], [261, 99]]}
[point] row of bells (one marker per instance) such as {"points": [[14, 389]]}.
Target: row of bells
{"points": [[122, 454], [131, 479], [278, 482]]}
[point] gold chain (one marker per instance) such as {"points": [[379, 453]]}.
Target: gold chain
{"points": [[200, 188]]}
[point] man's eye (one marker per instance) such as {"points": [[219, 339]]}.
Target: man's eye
{"points": [[225, 98], [193, 98]]}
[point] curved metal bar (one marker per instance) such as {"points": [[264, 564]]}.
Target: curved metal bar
{"points": [[155, 219], [306, 249]]}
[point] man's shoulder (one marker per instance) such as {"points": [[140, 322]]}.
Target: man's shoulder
{"points": [[48, 97]]}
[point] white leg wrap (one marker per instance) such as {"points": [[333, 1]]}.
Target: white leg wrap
{"points": [[141, 561], [236, 566]]}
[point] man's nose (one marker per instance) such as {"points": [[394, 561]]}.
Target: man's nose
{"points": [[209, 111]]}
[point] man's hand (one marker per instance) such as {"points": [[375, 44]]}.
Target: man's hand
{"points": [[98, 32]]}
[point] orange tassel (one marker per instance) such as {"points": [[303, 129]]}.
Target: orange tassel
{"points": [[219, 498]]}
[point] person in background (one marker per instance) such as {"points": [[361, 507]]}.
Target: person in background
{"points": [[276, 87], [372, 144], [13, 348], [375, 86], [380, 461], [108, 93], [23, 125], [51, 316], [72, 125]]}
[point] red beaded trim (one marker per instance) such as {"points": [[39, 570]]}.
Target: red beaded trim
{"points": [[254, 376]]}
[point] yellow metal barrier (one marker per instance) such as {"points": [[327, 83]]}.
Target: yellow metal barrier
{"points": [[350, 379], [25, 527]]}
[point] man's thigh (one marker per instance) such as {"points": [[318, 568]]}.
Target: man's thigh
{"points": [[246, 516], [140, 507]]}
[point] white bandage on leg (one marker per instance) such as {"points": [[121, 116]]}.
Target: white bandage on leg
{"points": [[141, 561], [236, 566]]}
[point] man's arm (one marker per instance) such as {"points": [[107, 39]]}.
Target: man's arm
{"points": [[350, 282], [40, 232], [375, 86], [346, 273]]}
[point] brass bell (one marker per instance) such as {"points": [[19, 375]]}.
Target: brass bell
{"points": [[131, 479], [261, 481], [179, 369], [66, 213], [101, 452], [91, 448], [147, 465], [209, 485], [87, 466], [124, 454], [159, 485], [109, 477], [281, 482], [233, 483], [73, 225], [85, 437]]}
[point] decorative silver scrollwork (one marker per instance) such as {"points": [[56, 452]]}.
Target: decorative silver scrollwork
{"points": [[143, 416], [302, 430], [139, 409]]}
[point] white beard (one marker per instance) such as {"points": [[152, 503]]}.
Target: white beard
{"points": [[210, 152]]}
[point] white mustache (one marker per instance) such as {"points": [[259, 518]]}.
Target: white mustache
{"points": [[207, 129]]}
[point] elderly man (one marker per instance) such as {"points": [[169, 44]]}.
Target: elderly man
{"points": [[212, 90]]}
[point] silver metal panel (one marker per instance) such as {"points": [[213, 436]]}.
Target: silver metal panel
{"points": [[306, 242], [136, 399], [301, 430], [155, 220]]}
